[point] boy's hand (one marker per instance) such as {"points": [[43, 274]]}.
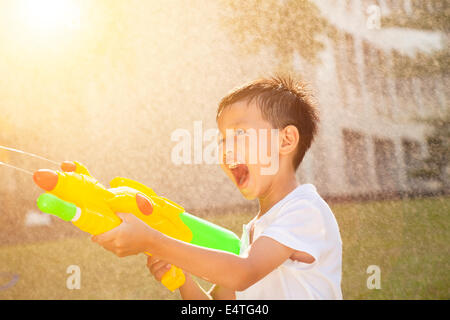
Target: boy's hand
{"points": [[130, 237], [157, 267]]}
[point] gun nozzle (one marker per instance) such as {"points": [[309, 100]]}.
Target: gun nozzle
{"points": [[144, 204], [68, 166], [46, 179]]}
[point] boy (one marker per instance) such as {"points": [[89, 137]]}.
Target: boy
{"points": [[292, 248]]}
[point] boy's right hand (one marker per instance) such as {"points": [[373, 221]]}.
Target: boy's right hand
{"points": [[157, 267]]}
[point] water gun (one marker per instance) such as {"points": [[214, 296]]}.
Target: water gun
{"points": [[73, 194]]}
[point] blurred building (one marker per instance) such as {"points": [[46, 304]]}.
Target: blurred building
{"points": [[372, 110], [111, 90]]}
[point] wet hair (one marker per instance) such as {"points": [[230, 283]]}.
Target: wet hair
{"points": [[282, 102]]}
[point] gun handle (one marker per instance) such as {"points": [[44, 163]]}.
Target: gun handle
{"points": [[172, 279]]}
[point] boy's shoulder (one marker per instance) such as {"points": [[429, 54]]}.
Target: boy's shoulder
{"points": [[307, 212], [304, 222], [304, 206], [300, 204], [305, 197]]}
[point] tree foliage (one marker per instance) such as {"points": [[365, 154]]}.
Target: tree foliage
{"points": [[426, 15], [431, 15], [421, 64], [436, 165], [288, 26]]}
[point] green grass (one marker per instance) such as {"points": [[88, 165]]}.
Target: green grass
{"points": [[407, 239]]}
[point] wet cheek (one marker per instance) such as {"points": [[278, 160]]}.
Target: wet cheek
{"points": [[258, 182], [253, 176], [251, 155], [241, 154]]}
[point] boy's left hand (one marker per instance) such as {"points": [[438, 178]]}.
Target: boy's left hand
{"points": [[129, 238]]}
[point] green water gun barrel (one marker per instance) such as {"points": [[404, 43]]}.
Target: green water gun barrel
{"points": [[51, 204], [210, 235]]}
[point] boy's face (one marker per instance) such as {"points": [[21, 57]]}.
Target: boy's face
{"points": [[246, 157]]}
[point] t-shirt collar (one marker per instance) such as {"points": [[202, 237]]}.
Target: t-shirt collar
{"points": [[271, 214]]}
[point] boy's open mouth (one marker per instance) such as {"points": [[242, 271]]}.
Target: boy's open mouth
{"points": [[240, 173]]}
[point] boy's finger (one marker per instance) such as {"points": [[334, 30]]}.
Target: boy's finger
{"points": [[158, 265], [161, 272], [153, 263], [123, 216], [151, 260], [105, 237]]}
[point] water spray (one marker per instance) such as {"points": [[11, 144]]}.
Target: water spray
{"points": [[16, 168], [29, 154]]}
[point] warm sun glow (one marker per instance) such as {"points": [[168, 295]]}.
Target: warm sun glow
{"points": [[49, 16]]}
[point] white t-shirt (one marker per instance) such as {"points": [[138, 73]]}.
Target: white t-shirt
{"points": [[302, 221]]}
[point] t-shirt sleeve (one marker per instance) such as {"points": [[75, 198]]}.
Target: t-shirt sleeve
{"points": [[299, 226]]}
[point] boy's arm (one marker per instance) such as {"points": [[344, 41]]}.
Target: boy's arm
{"points": [[223, 268], [221, 293], [191, 290], [228, 270]]}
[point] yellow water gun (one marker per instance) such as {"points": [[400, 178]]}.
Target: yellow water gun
{"points": [[73, 194]]}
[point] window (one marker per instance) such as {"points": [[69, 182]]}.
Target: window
{"points": [[374, 77], [355, 158], [346, 68], [412, 155], [350, 59], [397, 6], [386, 164], [404, 87], [340, 69], [407, 7], [383, 84], [420, 5], [367, 62]]}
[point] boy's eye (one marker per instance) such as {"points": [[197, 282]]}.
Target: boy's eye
{"points": [[235, 133]]}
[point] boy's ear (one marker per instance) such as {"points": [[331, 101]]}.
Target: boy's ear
{"points": [[289, 139]]}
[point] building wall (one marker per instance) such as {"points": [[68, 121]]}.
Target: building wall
{"points": [[375, 112]]}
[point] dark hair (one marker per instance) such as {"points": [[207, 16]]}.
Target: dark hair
{"points": [[282, 102]]}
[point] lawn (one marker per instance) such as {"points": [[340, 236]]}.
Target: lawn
{"points": [[408, 240]]}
